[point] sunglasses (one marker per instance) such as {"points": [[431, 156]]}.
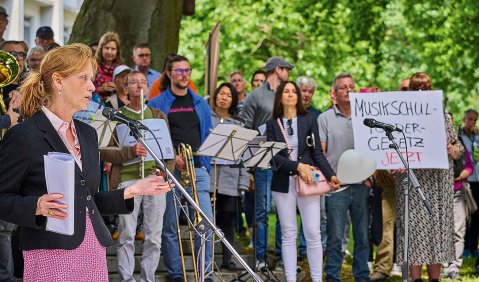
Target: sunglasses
{"points": [[290, 127], [182, 71], [420, 88]]}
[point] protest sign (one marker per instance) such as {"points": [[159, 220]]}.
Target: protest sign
{"points": [[418, 113]]}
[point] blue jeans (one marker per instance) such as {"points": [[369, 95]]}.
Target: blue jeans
{"points": [[354, 199], [263, 206], [170, 247]]}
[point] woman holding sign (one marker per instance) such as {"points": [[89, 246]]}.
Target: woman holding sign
{"points": [[289, 115], [431, 239], [62, 86]]}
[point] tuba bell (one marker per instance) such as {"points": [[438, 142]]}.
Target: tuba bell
{"points": [[9, 71]]}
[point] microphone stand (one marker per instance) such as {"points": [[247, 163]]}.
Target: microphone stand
{"points": [[206, 223], [410, 180]]}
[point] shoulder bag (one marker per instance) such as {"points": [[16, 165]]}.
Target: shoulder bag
{"points": [[319, 187]]}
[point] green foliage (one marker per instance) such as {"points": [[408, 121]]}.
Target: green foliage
{"points": [[379, 42]]}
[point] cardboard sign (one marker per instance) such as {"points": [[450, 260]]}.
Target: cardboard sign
{"points": [[418, 113]]}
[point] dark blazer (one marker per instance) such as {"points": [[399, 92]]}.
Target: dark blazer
{"points": [[307, 126], [22, 182]]}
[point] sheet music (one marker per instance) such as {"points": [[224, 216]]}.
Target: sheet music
{"points": [[265, 153], [60, 178], [88, 115], [227, 142], [104, 129], [159, 128], [253, 147]]}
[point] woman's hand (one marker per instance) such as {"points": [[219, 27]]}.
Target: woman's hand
{"points": [[108, 87], [304, 171], [48, 205], [398, 171], [148, 186], [334, 182]]}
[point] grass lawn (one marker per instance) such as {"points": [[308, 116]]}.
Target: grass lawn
{"points": [[467, 271]]}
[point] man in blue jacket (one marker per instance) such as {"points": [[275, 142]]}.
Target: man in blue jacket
{"points": [[189, 118]]}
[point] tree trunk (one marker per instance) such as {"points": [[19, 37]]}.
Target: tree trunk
{"points": [[156, 22]]}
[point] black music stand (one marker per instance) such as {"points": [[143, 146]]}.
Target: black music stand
{"points": [[259, 155], [206, 223], [225, 142]]}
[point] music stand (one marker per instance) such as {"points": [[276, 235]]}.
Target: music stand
{"points": [[226, 142], [260, 156], [104, 129]]}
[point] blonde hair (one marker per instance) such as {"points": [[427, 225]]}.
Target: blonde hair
{"points": [[37, 89], [105, 39]]}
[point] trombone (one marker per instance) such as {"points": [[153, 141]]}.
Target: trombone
{"points": [[188, 179]]}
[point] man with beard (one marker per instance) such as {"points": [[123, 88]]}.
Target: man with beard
{"points": [[258, 109], [189, 117]]}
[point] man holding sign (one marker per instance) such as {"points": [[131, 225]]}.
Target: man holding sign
{"points": [[336, 134], [122, 175]]}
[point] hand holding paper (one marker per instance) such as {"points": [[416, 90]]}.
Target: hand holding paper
{"points": [[49, 206], [60, 179]]}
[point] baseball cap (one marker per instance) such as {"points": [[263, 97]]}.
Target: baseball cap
{"points": [[275, 62], [119, 69], [44, 31], [3, 11]]}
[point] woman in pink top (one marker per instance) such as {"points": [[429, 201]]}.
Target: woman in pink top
{"points": [[108, 57], [62, 86]]}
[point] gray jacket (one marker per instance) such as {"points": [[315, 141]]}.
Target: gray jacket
{"points": [[258, 107], [229, 180]]}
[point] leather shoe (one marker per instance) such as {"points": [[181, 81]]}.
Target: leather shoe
{"points": [[231, 266]]}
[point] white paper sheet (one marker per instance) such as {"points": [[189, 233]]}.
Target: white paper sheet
{"points": [[263, 156], [159, 128], [227, 142], [60, 178]]}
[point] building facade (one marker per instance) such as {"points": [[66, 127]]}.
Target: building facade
{"points": [[26, 16]]}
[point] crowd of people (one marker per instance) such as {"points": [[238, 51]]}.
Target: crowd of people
{"points": [[49, 91]]}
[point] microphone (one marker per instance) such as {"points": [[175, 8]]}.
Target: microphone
{"points": [[115, 115], [370, 122]]}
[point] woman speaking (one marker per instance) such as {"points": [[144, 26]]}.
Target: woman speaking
{"points": [[62, 86], [289, 115]]}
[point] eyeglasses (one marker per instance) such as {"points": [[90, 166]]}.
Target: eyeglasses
{"points": [[142, 82], [290, 127], [18, 55], [182, 71], [143, 55]]}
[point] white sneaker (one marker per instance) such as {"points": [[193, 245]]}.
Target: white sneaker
{"points": [[260, 265], [396, 271]]}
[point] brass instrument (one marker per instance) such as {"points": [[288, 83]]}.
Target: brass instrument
{"points": [[188, 179], [9, 71]]}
